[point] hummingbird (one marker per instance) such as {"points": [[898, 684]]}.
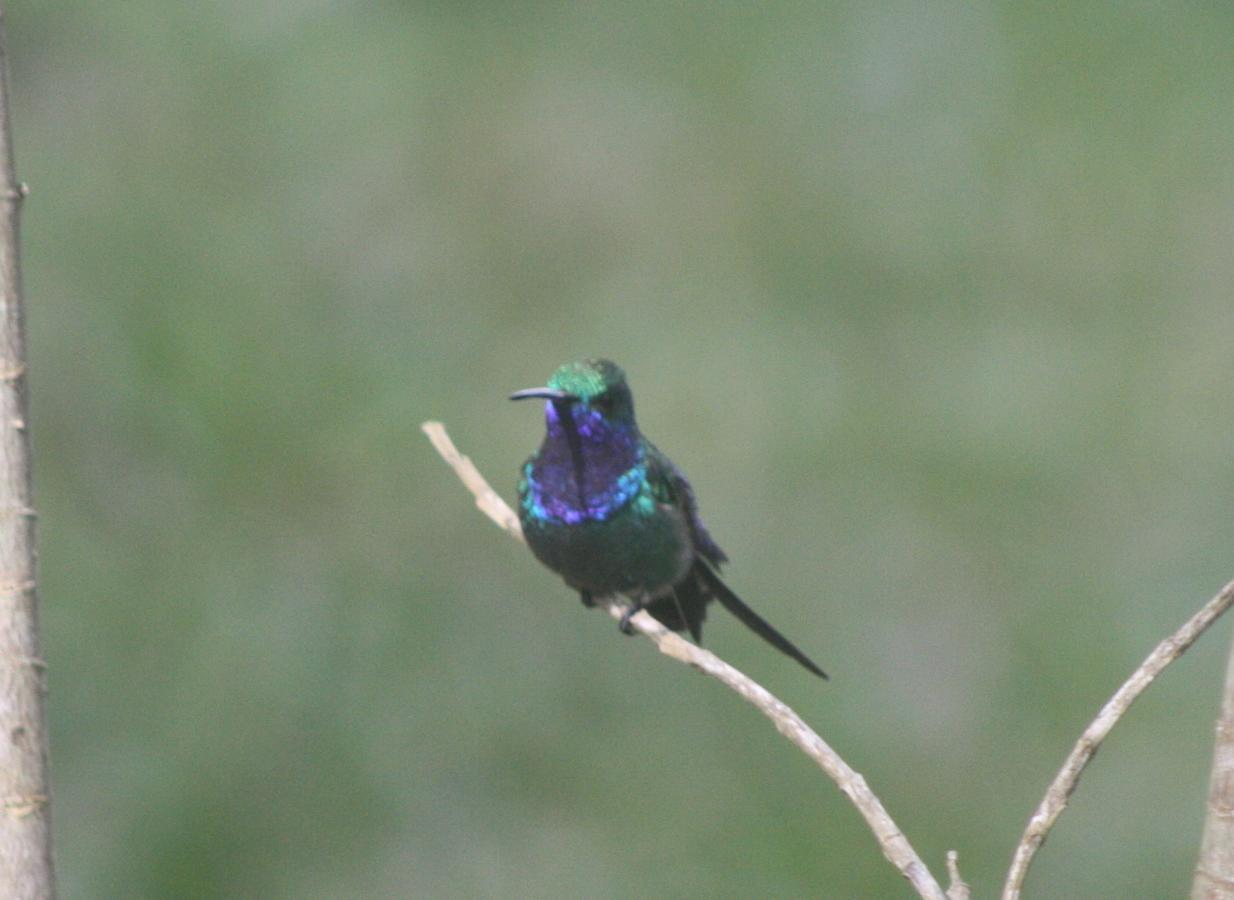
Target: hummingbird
{"points": [[611, 514]]}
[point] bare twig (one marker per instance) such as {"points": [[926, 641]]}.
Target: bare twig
{"points": [[25, 821], [957, 888], [890, 839], [1214, 872], [1059, 792], [487, 499]]}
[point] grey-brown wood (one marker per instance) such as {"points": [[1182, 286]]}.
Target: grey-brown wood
{"points": [[1214, 872], [26, 870]]}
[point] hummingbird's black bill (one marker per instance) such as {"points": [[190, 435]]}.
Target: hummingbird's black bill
{"points": [[544, 393]]}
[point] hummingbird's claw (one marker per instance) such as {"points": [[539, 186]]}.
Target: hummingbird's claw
{"points": [[624, 625]]}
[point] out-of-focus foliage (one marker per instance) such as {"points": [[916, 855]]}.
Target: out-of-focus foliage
{"points": [[932, 302]]}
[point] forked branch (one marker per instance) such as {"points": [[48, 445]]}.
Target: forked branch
{"points": [[1059, 792]]}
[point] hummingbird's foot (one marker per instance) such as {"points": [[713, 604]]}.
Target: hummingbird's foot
{"points": [[587, 599], [624, 624]]}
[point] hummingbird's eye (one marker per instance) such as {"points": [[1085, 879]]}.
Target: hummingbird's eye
{"points": [[612, 400]]}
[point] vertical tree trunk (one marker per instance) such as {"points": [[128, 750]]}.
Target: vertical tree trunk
{"points": [[1214, 873], [25, 820]]}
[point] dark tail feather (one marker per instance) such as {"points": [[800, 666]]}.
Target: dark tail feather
{"points": [[714, 587], [683, 609]]}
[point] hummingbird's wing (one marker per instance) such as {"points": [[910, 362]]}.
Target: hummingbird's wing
{"points": [[684, 606], [671, 486]]}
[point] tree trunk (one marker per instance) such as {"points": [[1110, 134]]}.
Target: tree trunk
{"points": [[26, 871]]}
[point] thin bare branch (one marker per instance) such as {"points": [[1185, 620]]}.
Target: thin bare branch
{"points": [[890, 839], [957, 888], [1214, 872], [25, 821], [487, 499], [1064, 783]]}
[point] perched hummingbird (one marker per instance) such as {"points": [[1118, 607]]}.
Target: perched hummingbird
{"points": [[606, 510]]}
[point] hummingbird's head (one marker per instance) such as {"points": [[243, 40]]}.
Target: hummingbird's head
{"points": [[590, 388]]}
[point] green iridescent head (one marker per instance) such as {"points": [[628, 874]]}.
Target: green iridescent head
{"points": [[587, 378], [594, 384]]}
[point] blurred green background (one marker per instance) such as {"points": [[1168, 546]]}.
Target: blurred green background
{"points": [[932, 302]]}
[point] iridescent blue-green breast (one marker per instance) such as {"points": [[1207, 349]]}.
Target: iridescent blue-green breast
{"points": [[626, 534]]}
